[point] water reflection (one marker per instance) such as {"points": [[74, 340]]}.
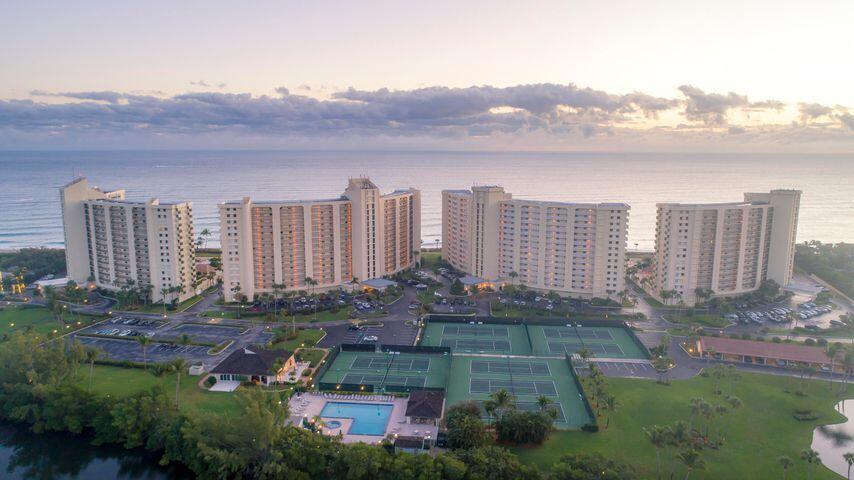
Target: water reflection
{"points": [[24, 455], [834, 441]]}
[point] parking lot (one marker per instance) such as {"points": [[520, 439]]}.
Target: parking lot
{"points": [[391, 333], [627, 369], [125, 347], [121, 349]]}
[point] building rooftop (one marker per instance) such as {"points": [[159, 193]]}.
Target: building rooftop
{"points": [[471, 280], [251, 361], [782, 351], [378, 283], [425, 403]]}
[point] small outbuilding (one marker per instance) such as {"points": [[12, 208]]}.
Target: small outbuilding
{"points": [[425, 407], [256, 365], [379, 284], [471, 283]]}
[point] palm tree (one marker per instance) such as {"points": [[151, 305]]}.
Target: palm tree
{"points": [[692, 459], [734, 404], [695, 411], [311, 284], [277, 290], [164, 292], [503, 400], [657, 436], [204, 234], [832, 351], [610, 403], [585, 354], [185, 340], [489, 406], [543, 402], [236, 291], [848, 363], [145, 292], [144, 342], [92, 354], [811, 457], [849, 459], [786, 463], [179, 365]]}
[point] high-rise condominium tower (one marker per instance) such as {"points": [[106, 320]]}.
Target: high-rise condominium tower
{"points": [[575, 248], [361, 235], [116, 242], [725, 249]]}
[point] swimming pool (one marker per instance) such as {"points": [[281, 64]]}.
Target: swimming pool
{"points": [[368, 418]]}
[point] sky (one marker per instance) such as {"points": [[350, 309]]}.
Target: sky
{"points": [[552, 75]]}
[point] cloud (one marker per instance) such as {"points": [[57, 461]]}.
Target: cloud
{"points": [[847, 120], [558, 113], [813, 111], [712, 108], [202, 83]]}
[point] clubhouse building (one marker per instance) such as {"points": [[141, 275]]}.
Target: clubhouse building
{"points": [[763, 353]]}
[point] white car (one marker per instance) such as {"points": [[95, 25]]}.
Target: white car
{"points": [[370, 338]]}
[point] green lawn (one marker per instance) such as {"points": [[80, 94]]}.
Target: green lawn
{"points": [[42, 320], [760, 432], [305, 338], [158, 307], [322, 316], [230, 314], [430, 260], [119, 381], [704, 319], [313, 355]]}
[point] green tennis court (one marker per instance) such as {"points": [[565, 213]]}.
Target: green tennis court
{"points": [[386, 371], [610, 342], [478, 338], [475, 378]]}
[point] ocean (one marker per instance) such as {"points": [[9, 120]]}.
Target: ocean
{"points": [[29, 182]]}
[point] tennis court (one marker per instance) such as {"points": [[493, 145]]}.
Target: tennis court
{"points": [[610, 342], [476, 378], [386, 371], [478, 338]]}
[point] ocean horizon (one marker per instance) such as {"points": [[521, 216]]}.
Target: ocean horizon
{"points": [[30, 215]]}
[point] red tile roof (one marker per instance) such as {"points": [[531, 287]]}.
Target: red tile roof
{"points": [[782, 351]]}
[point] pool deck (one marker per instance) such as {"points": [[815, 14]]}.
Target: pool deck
{"points": [[311, 404]]}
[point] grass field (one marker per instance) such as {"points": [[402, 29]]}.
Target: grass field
{"points": [[760, 432], [305, 338], [119, 381], [42, 320]]}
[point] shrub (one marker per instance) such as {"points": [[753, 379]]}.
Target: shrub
{"points": [[822, 342], [809, 341], [590, 427], [210, 381], [524, 427], [776, 340], [745, 336], [306, 372]]}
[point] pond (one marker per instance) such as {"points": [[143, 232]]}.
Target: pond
{"points": [[833, 441], [25, 455]]}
